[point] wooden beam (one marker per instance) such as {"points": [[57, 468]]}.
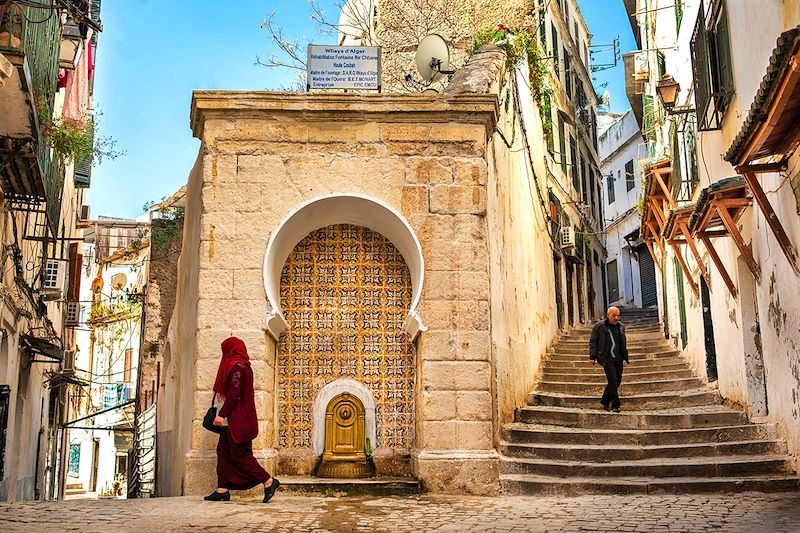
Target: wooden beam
{"points": [[667, 192], [739, 241], [720, 265], [653, 254], [695, 253], [658, 241], [686, 271], [659, 214], [733, 202], [762, 169], [772, 219]]}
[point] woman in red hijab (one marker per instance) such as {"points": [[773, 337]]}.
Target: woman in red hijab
{"points": [[237, 469]]}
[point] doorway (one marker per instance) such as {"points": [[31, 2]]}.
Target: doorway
{"points": [[681, 302], [95, 464], [570, 294], [708, 330], [647, 277], [559, 298]]}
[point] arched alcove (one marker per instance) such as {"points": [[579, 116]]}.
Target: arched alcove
{"points": [[355, 209]]}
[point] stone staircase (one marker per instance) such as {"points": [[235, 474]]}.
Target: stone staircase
{"points": [[672, 436]]}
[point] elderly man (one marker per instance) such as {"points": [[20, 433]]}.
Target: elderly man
{"points": [[608, 346]]}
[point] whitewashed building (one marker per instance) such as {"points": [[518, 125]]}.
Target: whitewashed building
{"points": [[630, 272]]}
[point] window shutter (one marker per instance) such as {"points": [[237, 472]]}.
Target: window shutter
{"points": [[675, 150], [75, 264], [700, 70], [723, 55], [610, 180], [573, 160]]}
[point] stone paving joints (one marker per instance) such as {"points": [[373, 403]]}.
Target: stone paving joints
{"points": [[743, 512]]}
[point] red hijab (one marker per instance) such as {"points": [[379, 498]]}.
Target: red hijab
{"points": [[233, 352]]}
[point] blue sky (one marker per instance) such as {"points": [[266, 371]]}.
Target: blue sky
{"points": [[153, 53]]}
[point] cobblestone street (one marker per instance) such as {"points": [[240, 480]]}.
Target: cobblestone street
{"points": [[765, 513]]}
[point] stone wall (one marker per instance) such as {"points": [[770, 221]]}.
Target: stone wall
{"points": [[161, 288], [402, 24], [264, 155]]}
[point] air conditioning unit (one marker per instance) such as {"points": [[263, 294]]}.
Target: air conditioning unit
{"points": [[73, 317], [568, 237]]}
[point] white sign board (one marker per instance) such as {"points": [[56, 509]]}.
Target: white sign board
{"points": [[344, 67]]}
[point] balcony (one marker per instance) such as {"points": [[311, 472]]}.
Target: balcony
{"points": [[30, 39]]}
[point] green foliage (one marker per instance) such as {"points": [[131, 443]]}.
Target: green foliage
{"points": [[368, 449], [73, 140], [163, 235], [521, 46], [639, 205]]}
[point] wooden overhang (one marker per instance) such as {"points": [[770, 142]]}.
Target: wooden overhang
{"points": [[657, 203], [770, 134], [676, 232], [718, 208]]}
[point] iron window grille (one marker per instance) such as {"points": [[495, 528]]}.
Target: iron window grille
{"points": [[711, 66]]}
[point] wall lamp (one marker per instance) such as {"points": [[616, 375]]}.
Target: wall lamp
{"points": [[668, 90]]}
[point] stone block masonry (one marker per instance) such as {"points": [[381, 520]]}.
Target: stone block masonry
{"points": [[264, 155]]}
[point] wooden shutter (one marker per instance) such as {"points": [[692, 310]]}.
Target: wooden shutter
{"points": [[724, 67], [576, 183], [647, 276], [75, 264], [700, 70], [610, 180], [128, 364]]}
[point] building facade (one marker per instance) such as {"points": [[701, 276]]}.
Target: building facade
{"points": [[412, 254], [45, 92], [630, 271], [100, 428], [720, 207]]}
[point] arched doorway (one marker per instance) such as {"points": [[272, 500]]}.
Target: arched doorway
{"points": [[345, 292]]}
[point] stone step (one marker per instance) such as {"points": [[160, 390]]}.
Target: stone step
{"points": [[390, 486], [632, 345], [594, 374], [721, 466], [555, 364], [71, 486], [74, 492], [628, 388], [670, 400], [608, 453], [632, 356], [577, 486], [631, 333], [557, 435], [691, 417]]}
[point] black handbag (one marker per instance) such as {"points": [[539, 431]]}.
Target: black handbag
{"points": [[211, 414]]}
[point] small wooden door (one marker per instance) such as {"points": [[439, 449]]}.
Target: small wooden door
{"points": [[345, 428]]}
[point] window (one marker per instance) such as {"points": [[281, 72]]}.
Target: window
{"points": [[583, 179], [567, 74], [600, 214], [610, 182], [573, 161], [51, 274], [630, 181], [542, 24], [711, 66], [591, 192], [555, 50], [562, 141]]}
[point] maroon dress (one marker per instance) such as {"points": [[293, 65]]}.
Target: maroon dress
{"points": [[237, 469]]}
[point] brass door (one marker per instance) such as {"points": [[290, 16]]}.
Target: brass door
{"points": [[344, 428]]}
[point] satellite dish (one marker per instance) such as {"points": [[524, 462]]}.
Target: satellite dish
{"points": [[433, 58], [118, 281]]}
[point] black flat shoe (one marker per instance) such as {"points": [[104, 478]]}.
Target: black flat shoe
{"points": [[616, 409], [218, 497], [269, 492]]}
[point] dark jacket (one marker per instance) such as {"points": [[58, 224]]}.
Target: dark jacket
{"points": [[600, 342]]}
